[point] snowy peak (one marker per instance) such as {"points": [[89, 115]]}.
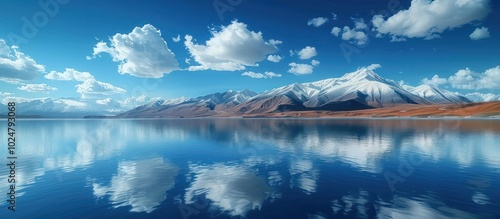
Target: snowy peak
{"points": [[435, 94], [172, 102], [481, 97], [363, 74], [68, 107], [228, 97]]}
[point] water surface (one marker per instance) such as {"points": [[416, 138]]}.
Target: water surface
{"points": [[256, 168]]}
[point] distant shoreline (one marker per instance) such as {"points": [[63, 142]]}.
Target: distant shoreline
{"points": [[487, 110]]}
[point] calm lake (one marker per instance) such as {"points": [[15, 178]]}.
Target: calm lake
{"points": [[254, 168]]}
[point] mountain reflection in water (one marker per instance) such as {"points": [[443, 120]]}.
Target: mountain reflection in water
{"points": [[258, 168]]}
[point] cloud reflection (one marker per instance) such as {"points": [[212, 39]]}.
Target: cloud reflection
{"points": [[139, 184], [427, 207], [233, 189], [303, 176]]}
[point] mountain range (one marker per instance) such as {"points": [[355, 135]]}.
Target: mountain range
{"points": [[362, 89]]}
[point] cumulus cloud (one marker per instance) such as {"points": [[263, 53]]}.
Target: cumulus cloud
{"points": [[397, 39], [315, 62], [355, 35], [105, 101], [5, 94], [336, 31], [142, 53], [274, 58], [266, 75], [230, 49], [307, 53], [480, 33], [69, 75], [37, 88], [17, 66], [300, 69], [139, 184], [468, 79], [427, 19], [317, 22], [435, 80], [92, 87], [177, 38]]}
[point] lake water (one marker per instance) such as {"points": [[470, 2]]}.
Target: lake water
{"points": [[255, 168]]}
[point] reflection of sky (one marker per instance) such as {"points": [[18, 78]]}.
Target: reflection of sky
{"points": [[358, 204], [76, 145], [139, 184], [462, 148], [417, 209], [233, 189], [304, 176]]}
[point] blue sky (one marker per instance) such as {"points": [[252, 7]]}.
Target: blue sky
{"points": [[114, 49]]}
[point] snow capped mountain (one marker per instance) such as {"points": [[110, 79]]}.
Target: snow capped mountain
{"points": [[172, 102], [437, 95], [480, 97], [208, 105], [67, 107], [364, 86], [362, 89]]}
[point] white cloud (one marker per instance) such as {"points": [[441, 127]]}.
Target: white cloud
{"points": [[266, 75], [427, 19], [68, 75], [5, 94], [480, 33], [359, 24], [105, 101], [373, 67], [177, 39], [300, 69], [435, 80], [397, 39], [253, 74], [334, 16], [272, 74], [467, 79], [91, 87], [356, 34], [230, 49], [274, 58], [292, 53], [315, 62], [307, 53], [187, 61], [336, 31], [37, 88], [139, 184], [17, 66], [317, 22], [357, 37], [141, 53]]}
